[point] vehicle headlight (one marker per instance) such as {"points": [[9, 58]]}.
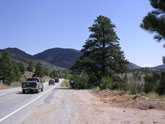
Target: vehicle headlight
{"points": [[23, 85]]}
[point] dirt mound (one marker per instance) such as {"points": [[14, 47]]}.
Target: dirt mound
{"points": [[122, 99]]}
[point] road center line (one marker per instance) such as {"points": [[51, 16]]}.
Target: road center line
{"points": [[24, 106]]}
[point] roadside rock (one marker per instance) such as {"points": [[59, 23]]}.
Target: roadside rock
{"points": [[145, 106]]}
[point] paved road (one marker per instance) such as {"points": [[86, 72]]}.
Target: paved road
{"points": [[13, 103], [9, 91]]}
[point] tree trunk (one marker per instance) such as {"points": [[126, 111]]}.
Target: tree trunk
{"points": [[103, 56]]}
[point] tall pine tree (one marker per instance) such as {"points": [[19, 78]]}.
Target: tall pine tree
{"points": [[9, 70], [38, 70], [30, 66], [21, 67], [54, 74], [155, 20], [102, 55]]}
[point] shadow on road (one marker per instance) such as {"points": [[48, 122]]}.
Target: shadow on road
{"points": [[61, 88], [30, 92]]}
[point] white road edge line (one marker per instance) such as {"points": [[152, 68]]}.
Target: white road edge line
{"points": [[24, 106]]}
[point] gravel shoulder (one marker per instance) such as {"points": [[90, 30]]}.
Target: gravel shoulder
{"points": [[57, 107]]}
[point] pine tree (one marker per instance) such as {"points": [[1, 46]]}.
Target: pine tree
{"points": [[38, 70], [155, 20], [161, 86], [21, 67], [45, 72], [30, 66], [53, 74], [16, 72], [9, 70], [102, 55]]}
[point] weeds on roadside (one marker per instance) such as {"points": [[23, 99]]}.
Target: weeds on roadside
{"points": [[65, 84], [153, 95]]}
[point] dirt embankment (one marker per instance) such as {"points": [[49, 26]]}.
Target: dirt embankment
{"points": [[121, 99], [110, 107]]}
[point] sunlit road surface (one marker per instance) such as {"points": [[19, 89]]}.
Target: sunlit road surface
{"points": [[14, 106]]}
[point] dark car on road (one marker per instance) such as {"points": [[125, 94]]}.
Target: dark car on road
{"points": [[72, 83], [56, 80], [51, 82], [32, 84]]}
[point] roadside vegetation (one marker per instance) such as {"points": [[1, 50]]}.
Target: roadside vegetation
{"points": [[65, 84], [9, 69]]}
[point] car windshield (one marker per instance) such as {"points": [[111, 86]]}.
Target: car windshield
{"points": [[33, 79]]}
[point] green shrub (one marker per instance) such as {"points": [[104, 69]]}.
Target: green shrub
{"points": [[65, 84], [112, 83], [118, 83], [67, 75], [161, 86], [151, 82], [81, 81], [106, 82], [155, 83]]}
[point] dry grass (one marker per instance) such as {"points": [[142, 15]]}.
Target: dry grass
{"points": [[65, 84], [153, 95]]}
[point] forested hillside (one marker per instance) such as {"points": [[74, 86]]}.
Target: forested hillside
{"points": [[59, 56], [21, 56]]}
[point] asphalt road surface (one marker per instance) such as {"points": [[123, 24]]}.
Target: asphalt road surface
{"points": [[15, 106]]}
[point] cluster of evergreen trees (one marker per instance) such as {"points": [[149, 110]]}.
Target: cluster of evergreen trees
{"points": [[9, 69], [41, 72], [155, 83], [38, 69]]}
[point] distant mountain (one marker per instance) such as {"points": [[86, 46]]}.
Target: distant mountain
{"points": [[18, 54], [21, 56], [133, 66], [159, 67], [65, 57], [54, 58], [59, 56]]}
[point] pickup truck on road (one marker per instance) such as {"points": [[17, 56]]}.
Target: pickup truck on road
{"points": [[32, 84]]}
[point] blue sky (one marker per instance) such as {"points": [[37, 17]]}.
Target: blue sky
{"points": [[37, 25]]}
